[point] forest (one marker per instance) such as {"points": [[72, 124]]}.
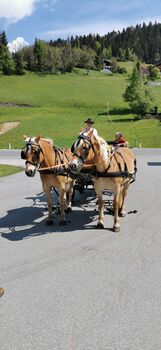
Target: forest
{"points": [[142, 42]]}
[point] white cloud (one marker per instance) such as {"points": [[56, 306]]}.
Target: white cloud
{"points": [[101, 28], [15, 10], [93, 28], [17, 44]]}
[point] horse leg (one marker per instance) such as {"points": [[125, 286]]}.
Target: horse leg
{"points": [[100, 223], [49, 204], [121, 204], [69, 195], [116, 226], [122, 210], [63, 220]]}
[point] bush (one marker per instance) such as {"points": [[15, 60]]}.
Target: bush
{"points": [[153, 72]]}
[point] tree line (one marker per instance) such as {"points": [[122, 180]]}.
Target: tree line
{"points": [[44, 58], [141, 42]]}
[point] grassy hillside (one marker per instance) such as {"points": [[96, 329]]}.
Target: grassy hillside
{"points": [[61, 103]]}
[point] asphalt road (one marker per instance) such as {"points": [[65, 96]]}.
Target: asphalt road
{"points": [[75, 287]]}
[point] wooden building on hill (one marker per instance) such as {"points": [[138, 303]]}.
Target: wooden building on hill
{"points": [[106, 67], [106, 64]]}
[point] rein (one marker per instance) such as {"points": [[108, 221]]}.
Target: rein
{"points": [[94, 173], [59, 168], [50, 169]]}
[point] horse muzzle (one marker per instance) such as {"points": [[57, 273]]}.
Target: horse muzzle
{"points": [[76, 165], [30, 173]]}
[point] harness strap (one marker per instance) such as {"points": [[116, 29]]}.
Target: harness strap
{"points": [[60, 167], [124, 174], [58, 153], [118, 163]]}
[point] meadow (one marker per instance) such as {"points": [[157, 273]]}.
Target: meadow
{"points": [[57, 106], [6, 170]]}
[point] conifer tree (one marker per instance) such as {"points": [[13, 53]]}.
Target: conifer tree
{"points": [[19, 63], [6, 61], [39, 54], [137, 93]]}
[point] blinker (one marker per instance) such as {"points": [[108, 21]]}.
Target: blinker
{"points": [[23, 155]]}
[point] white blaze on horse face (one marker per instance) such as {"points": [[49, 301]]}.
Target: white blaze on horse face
{"points": [[30, 167], [77, 146], [78, 163]]}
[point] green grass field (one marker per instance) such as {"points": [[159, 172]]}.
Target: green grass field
{"points": [[6, 170], [61, 103]]}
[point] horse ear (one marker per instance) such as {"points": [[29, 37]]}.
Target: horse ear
{"points": [[94, 136], [81, 129], [37, 139], [25, 137]]}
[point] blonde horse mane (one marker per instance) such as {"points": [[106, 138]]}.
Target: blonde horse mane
{"points": [[28, 139], [48, 140], [101, 140]]}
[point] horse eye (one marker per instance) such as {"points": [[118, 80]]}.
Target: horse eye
{"points": [[35, 156]]}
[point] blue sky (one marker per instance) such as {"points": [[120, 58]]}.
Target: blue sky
{"points": [[50, 19]]}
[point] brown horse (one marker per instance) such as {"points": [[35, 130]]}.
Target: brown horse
{"points": [[41, 155], [113, 171]]}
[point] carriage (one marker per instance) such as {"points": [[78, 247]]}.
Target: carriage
{"points": [[91, 165]]}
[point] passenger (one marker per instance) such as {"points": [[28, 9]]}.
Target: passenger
{"points": [[120, 140]]}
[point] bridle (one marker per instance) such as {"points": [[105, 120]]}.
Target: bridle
{"points": [[35, 157], [86, 150]]}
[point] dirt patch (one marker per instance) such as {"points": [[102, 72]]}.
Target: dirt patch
{"points": [[14, 104], [4, 127]]}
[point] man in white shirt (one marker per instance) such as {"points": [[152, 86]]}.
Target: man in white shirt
{"points": [[89, 126]]}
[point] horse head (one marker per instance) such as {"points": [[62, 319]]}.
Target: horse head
{"points": [[89, 148], [33, 154], [83, 151]]}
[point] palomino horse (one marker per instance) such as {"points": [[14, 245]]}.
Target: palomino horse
{"points": [[41, 155], [112, 171]]}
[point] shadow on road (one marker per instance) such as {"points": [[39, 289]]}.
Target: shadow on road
{"points": [[154, 163], [22, 223]]}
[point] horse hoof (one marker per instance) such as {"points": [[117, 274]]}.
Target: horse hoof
{"points": [[100, 225], [49, 222], [122, 215], [63, 222], [68, 210], [116, 228]]}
